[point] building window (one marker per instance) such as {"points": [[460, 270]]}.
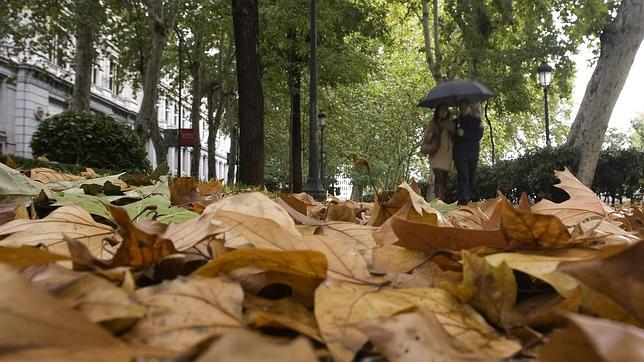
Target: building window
{"points": [[112, 82], [57, 51], [95, 71]]}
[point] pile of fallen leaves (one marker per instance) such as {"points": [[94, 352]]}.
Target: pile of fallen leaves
{"points": [[92, 268]]}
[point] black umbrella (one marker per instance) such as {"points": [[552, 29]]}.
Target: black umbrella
{"points": [[453, 91]]}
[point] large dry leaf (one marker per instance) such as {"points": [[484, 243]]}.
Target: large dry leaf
{"points": [[139, 248], [72, 221], [189, 233], [301, 289], [396, 259], [360, 235], [183, 191], [304, 263], [85, 354], [47, 175], [527, 230], [340, 213], [594, 339], [619, 276], [246, 346], [405, 195], [255, 204], [341, 307], [490, 289], [186, 311], [583, 202], [299, 217], [281, 313], [419, 336], [343, 256], [100, 302], [14, 211], [25, 256], [295, 203], [30, 317], [428, 238]]}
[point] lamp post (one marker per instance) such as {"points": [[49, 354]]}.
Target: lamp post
{"points": [[180, 122], [313, 185], [545, 77], [322, 124]]}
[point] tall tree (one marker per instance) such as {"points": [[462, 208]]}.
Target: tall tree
{"points": [[619, 42], [251, 113]]}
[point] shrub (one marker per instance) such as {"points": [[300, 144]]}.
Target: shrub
{"points": [[90, 139]]}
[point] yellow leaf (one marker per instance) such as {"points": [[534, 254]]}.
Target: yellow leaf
{"points": [[26, 255], [305, 263]]}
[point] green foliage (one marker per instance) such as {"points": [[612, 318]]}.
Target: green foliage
{"points": [[93, 140], [619, 174]]}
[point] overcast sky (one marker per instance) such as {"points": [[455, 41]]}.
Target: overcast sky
{"points": [[631, 100]]}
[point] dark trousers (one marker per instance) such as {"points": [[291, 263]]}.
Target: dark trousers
{"points": [[466, 171], [440, 183]]}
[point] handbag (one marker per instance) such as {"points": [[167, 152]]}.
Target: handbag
{"points": [[431, 139]]}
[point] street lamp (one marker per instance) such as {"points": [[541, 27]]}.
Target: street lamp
{"points": [[545, 77], [322, 123]]}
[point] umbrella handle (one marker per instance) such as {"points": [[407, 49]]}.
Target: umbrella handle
{"points": [[491, 135]]}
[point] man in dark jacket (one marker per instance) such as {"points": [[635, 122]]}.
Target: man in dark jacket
{"points": [[469, 131]]}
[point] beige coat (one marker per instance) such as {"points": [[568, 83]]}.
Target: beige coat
{"points": [[442, 159]]}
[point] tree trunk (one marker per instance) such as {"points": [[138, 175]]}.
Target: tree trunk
{"points": [[195, 113], [434, 66], [161, 20], [251, 115], [356, 192], [213, 128], [86, 34], [232, 155], [294, 85], [619, 43]]}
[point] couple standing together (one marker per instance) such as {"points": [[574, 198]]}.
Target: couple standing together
{"points": [[448, 140]]}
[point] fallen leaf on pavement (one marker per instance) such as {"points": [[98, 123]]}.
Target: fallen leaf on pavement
{"points": [[47, 175], [234, 347], [71, 220], [594, 339], [185, 311], [281, 313], [526, 230], [9, 212], [25, 256], [340, 213]]}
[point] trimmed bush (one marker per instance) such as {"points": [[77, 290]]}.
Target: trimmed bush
{"points": [[90, 139]]}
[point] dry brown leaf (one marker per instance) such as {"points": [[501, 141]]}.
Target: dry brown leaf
{"points": [[341, 307], [90, 173], [527, 230], [307, 199], [187, 234], [594, 339], [234, 347], [427, 275], [305, 263], [492, 290], [295, 203], [428, 238], [183, 191], [30, 317], [100, 302], [252, 204], [25, 256], [340, 213], [620, 276], [419, 336], [583, 202], [282, 313], [186, 311], [140, 247], [10, 212], [259, 232], [344, 258], [383, 208], [359, 236], [71, 220], [298, 216], [301, 289], [396, 259], [524, 205], [209, 188], [47, 175], [420, 209], [85, 353]]}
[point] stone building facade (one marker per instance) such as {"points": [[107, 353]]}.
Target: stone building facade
{"points": [[32, 90]]}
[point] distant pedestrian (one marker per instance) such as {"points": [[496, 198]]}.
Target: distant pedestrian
{"points": [[469, 131], [438, 140]]}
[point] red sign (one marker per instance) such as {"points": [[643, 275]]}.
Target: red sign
{"points": [[187, 137]]}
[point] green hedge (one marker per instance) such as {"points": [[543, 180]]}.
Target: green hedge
{"points": [[618, 175], [90, 139]]}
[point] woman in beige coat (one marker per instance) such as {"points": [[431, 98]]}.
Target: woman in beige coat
{"points": [[438, 142]]}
